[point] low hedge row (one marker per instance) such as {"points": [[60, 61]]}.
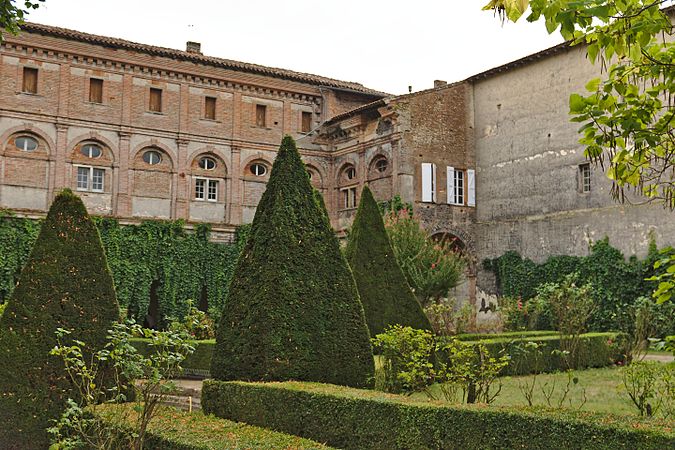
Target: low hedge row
{"points": [[506, 334], [594, 350], [358, 419], [176, 430], [197, 365]]}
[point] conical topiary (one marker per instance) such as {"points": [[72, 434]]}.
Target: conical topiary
{"points": [[293, 311], [66, 283], [384, 291]]}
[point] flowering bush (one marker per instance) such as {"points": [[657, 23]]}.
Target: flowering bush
{"points": [[197, 324]]}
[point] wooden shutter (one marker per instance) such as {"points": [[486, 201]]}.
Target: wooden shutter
{"points": [[155, 100], [306, 122], [210, 108], [30, 80], [260, 113], [428, 182], [451, 185], [471, 186], [95, 90]]}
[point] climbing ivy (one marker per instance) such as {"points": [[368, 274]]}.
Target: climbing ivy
{"points": [[156, 255], [617, 282]]}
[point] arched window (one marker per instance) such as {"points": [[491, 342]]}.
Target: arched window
{"points": [[152, 157], [26, 143], [258, 169], [207, 163], [91, 150]]}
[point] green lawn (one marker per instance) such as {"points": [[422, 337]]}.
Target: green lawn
{"points": [[603, 391]]}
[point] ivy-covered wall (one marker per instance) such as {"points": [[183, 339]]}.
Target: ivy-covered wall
{"points": [[155, 255], [617, 282]]}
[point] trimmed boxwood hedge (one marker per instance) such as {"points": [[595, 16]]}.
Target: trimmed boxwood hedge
{"points": [[595, 348], [176, 430], [386, 296], [66, 283], [293, 311], [506, 334], [358, 419]]}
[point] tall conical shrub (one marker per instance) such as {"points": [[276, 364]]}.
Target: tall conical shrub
{"points": [[293, 311], [384, 291], [66, 284]]}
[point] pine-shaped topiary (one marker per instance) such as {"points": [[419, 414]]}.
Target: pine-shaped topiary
{"points": [[384, 291], [293, 311], [67, 284]]}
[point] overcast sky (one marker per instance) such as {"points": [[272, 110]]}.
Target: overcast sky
{"points": [[385, 45]]}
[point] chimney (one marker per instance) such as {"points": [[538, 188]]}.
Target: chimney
{"points": [[193, 47], [440, 83]]}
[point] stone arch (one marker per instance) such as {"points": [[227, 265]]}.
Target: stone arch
{"points": [[93, 136], [27, 128], [209, 150], [138, 150], [341, 174], [258, 158], [373, 172], [464, 241], [319, 181], [221, 170]]}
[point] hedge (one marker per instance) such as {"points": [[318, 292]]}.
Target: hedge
{"points": [[386, 296], [66, 283], [196, 365], [595, 348], [350, 418], [507, 334], [293, 310], [176, 430]]}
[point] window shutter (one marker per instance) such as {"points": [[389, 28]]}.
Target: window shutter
{"points": [[210, 108], [30, 80], [155, 100], [95, 90], [260, 115], [471, 183], [451, 185], [428, 182]]}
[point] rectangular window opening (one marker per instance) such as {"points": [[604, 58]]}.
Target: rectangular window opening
{"points": [[210, 108], [155, 100], [90, 179], [30, 80], [459, 187], [306, 122], [83, 178], [585, 178], [200, 189], [212, 194], [260, 115], [348, 200], [95, 90]]}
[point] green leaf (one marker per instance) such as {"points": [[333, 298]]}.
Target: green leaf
{"points": [[577, 104], [593, 85]]}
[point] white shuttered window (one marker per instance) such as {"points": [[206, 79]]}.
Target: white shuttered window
{"points": [[471, 187], [428, 182]]}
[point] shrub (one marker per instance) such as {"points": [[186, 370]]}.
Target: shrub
{"points": [[446, 320], [65, 284], [650, 385], [385, 294], [2, 308], [293, 311], [197, 364], [357, 419], [176, 430], [431, 268], [196, 324]]}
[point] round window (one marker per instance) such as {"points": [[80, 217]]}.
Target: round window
{"points": [[91, 150], [258, 169], [152, 157], [350, 173], [207, 163], [381, 165], [26, 143]]}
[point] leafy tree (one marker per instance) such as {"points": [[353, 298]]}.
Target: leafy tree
{"points": [[384, 291], [627, 116], [65, 284], [293, 311], [431, 267], [12, 16]]}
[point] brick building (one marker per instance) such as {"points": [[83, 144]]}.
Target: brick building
{"points": [[148, 132]]}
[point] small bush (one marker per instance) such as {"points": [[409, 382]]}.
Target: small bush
{"points": [[359, 419], [196, 324], [650, 385], [446, 319]]}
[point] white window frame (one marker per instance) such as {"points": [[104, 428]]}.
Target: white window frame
{"points": [[90, 178], [456, 186], [206, 193], [585, 169], [429, 182], [349, 197]]}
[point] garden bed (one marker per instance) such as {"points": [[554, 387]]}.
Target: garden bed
{"points": [[361, 419]]}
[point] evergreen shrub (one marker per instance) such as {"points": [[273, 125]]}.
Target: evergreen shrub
{"points": [[358, 419], [67, 284], [385, 293], [293, 311]]}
